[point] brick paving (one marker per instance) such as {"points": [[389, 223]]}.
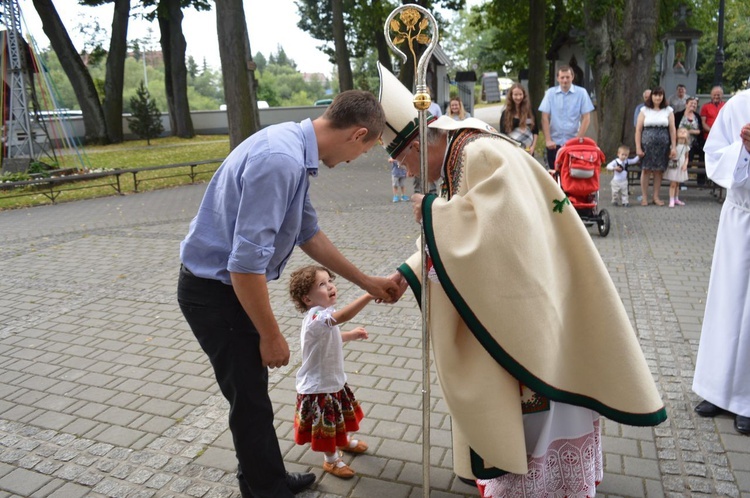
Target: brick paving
{"points": [[105, 392]]}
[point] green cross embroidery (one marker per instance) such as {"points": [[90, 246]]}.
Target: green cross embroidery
{"points": [[559, 205]]}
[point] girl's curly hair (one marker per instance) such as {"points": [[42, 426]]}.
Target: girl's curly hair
{"points": [[301, 282]]}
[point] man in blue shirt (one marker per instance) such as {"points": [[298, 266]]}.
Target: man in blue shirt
{"points": [[256, 209], [566, 113]]}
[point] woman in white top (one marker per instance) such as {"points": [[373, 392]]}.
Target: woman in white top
{"points": [[655, 141]]}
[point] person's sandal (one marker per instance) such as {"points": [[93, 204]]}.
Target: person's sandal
{"points": [[339, 469], [358, 448]]}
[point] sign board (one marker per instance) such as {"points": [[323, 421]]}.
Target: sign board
{"points": [[490, 87]]}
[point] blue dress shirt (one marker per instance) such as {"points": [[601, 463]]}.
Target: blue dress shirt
{"points": [[256, 207], [565, 111]]}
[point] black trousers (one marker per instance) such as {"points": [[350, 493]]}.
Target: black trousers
{"points": [[551, 156], [232, 344]]}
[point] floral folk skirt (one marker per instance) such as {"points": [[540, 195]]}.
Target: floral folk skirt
{"points": [[323, 420], [655, 142]]}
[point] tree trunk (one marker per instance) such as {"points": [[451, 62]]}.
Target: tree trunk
{"points": [[95, 128], [346, 81], [178, 50], [384, 52], [537, 59], [170, 13], [113, 81], [166, 52], [623, 55], [238, 71]]}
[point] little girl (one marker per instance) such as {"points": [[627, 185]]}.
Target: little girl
{"points": [[326, 408], [677, 170]]}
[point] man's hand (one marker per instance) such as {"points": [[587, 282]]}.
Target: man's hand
{"points": [[383, 290], [274, 351], [745, 136], [400, 281], [550, 143]]}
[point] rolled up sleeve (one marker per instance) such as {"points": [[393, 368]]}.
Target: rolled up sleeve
{"points": [[247, 257]]}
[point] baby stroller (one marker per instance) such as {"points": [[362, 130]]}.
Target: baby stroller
{"points": [[577, 168]]}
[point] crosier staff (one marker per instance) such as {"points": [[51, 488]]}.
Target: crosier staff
{"points": [[411, 24]]}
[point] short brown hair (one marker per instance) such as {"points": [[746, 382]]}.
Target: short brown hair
{"points": [[357, 108], [301, 282], [565, 69], [624, 148]]}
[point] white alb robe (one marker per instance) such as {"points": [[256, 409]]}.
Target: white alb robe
{"points": [[722, 368]]}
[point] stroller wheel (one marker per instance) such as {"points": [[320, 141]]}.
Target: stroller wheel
{"points": [[603, 223]]}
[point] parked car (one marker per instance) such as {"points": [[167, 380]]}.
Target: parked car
{"points": [[323, 102]]}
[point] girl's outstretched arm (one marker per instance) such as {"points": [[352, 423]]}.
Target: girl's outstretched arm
{"points": [[350, 310]]}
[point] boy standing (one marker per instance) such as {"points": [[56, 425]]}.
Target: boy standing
{"points": [[398, 174], [619, 182]]}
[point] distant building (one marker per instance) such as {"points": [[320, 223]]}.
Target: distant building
{"points": [[308, 77]]}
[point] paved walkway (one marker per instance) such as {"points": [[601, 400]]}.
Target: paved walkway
{"points": [[105, 392]]}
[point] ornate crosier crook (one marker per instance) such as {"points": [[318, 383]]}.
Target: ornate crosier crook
{"points": [[411, 24]]}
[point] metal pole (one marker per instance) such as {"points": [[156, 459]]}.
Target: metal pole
{"points": [[416, 24]]}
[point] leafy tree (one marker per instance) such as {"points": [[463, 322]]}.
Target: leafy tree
{"points": [[343, 63], [135, 48], [192, 67], [736, 44], [347, 28], [260, 61], [207, 84], [112, 86], [472, 46], [146, 118], [93, 116], [173, 47], [621, 45], [737, 52]]}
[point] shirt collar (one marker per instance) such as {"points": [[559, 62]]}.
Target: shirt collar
{"points": [[311, 147], [572, 89]]}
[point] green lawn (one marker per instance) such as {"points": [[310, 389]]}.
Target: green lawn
{"points": [[131, 154]]}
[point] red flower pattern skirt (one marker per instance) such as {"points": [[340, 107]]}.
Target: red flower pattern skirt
{"points": [[323, 420]]}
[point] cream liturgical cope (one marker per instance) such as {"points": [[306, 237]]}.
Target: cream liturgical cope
{"points": [[520, 296], [722, 368]]}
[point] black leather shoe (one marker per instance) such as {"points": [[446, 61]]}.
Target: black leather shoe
{"points": [[742, 424], [297, 481], [708, 409]]}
